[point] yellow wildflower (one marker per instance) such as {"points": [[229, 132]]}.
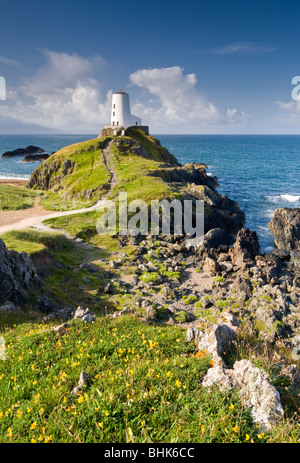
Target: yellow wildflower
{"points": [[34, 425], [48, 439]]}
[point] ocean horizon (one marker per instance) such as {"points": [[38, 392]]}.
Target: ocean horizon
{"points": [[260, 172]]}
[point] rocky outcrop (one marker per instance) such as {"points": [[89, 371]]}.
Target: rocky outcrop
{"points": [[246, 247], [35, 157], [219, 339], [131, 145], [285, 226], [23, 151], [253, 383], [17, 275], [50, 174]]}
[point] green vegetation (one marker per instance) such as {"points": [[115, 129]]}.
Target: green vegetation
{"points": [[134, 176], [189, 299], [78, 175], [14, 198], [34, 241], [60, 262], [205, 314], [181, 317], [141, 389]]}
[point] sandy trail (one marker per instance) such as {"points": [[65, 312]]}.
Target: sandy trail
{"points": [[35, 215]]}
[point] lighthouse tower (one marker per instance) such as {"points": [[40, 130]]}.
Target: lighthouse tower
{"points": [[120, 111]]}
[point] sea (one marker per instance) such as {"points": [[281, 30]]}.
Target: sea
{"points": [[260, 172]]}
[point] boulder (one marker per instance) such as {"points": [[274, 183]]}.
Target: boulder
{"points": [[35, 157], [246, 247], [220, 338], [45, 305], [285, 226], [84, 315], [254, 388], [210, 265], [258, 393], [296, 349], [31, 149]]}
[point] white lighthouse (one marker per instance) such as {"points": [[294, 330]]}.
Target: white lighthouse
{"points": [[120, 111]]}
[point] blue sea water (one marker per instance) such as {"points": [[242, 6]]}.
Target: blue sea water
{"points": [[260, 172]]}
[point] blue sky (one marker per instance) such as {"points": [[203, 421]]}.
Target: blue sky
{"points": [[189, 66]]}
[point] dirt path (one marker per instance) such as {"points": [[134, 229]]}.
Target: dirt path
{"points": [[35, 215]]}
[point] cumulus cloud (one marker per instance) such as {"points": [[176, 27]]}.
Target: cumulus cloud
{"points": [[177, 98], [177, 101], [290, 114], [66, 94], [63, 94]]}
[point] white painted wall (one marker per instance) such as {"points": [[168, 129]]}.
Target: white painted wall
{"points": [[120, 111]]}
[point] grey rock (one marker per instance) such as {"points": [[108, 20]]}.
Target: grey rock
{"points": [[151, 312], [254, 388], [45, 305], [84, 315], [246, 247], [17, 275], [190, 334], [285, 225], [8, 307], [83, 381], [258, 393]]}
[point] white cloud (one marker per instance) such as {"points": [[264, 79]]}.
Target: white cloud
{"points": [[289, 105], [291, 112], [243, 48], [178, 103], [63, 94], [8, 61]]}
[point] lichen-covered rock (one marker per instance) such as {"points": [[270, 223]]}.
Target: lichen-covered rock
{"points": [[219, 339], [258, 393], [84, 315], [220, 377], [254, 388]]}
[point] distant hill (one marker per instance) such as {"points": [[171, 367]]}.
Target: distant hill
{"points": [[10, 126]]}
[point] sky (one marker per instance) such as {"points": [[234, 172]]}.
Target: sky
{"points": [[189, 66]]}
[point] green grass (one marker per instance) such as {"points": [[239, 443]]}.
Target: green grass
{"points": [[83, 185], [59, 261], [140, 386], [35, 241], [134, 177], [14, 198]]}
